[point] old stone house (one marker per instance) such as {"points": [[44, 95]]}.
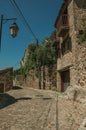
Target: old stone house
{"points": [[70, 54]]}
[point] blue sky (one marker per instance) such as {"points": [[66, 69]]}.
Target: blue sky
{"points": [[41, 16]]}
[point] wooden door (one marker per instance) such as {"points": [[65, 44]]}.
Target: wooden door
{"points": [[65, 80]]}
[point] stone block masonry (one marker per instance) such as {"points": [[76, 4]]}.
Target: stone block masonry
{"points": [[81, 65], [6, 79]]}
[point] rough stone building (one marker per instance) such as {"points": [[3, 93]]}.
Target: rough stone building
{"points": [[68, 26], [6, 79]]}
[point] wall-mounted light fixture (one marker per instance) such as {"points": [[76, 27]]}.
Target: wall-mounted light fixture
{"points": [[13, 28]]}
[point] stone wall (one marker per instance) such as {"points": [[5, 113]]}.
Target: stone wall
{"points": [[50, 77], [81, 65], [19, 80], [71, 105], [47, 77], [31, 80], [79, 13], [28, 80], [6, 79]]}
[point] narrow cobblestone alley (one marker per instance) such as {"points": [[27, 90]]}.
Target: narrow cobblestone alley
{"points": [[28, 109]]}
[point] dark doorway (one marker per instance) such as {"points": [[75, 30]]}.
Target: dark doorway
{"points": [[1, 87], [65, 80]]}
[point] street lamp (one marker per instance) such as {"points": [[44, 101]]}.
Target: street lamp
{"points": [[13, 29]]}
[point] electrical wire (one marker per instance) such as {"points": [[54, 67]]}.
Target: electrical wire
{"points": [[15, 5], [23, 22], [20, 12]]}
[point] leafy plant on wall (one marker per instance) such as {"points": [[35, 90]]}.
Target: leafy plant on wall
{"points": [[82, 33]]}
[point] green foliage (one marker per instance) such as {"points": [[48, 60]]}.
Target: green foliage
{"points": [[31, 62], [40, 55], [49, 53], [46, 53], [16, 72], [32, 47], [20, 71], [82, 36]]}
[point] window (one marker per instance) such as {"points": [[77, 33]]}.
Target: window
{"points": [[66, 46], [58, 50]]}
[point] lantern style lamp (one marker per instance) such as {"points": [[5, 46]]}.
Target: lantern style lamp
{"points": [[14, 30]]}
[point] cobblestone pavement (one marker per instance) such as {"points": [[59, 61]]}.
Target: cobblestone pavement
{"points": [[28, 109]]}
